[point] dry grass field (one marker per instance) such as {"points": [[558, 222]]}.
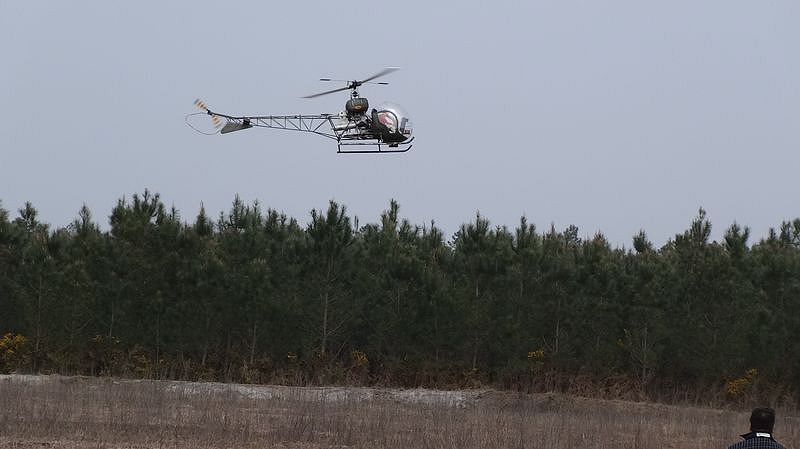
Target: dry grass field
{"points": [[77, 412]]}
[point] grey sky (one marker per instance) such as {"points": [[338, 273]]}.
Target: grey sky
{"points": [[610, 115]]}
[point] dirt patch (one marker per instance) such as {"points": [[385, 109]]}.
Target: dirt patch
{"points": [[267, 392]]}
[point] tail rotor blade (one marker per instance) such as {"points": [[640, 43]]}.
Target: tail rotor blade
{"points": [[215, 120], [200, 104]]}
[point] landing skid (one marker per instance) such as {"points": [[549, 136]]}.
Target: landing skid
{"points": [[382, 147]]}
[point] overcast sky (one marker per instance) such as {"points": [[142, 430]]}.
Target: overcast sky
{"points": [[614, 116]]}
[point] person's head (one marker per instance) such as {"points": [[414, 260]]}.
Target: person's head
{"points": [[762, 420]]}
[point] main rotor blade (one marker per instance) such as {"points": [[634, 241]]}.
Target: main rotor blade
{"points": [[355, 84], [385, 71], [327, 92]]}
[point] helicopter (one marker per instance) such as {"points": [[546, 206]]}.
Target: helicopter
{"points": [[357, 129]]}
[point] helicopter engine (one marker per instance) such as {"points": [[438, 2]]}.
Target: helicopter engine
{"points": [[391, 123], [356, 106]]}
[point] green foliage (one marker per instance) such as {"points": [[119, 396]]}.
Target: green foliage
{"points": [[255, 297]]}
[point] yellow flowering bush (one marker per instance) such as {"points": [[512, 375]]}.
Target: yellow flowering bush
{"points": [[12, 351], [736, 388], [359, 359], [536, 361], [536, 355]]}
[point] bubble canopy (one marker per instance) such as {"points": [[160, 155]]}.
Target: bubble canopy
{"points": [[395, 119]]}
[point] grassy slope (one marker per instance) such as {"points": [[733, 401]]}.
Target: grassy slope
{"points": [[77, 412]]}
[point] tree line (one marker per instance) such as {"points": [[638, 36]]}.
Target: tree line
{"points": [[253, 296]]}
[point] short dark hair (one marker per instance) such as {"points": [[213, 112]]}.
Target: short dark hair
{"points": [[762, 419]]}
